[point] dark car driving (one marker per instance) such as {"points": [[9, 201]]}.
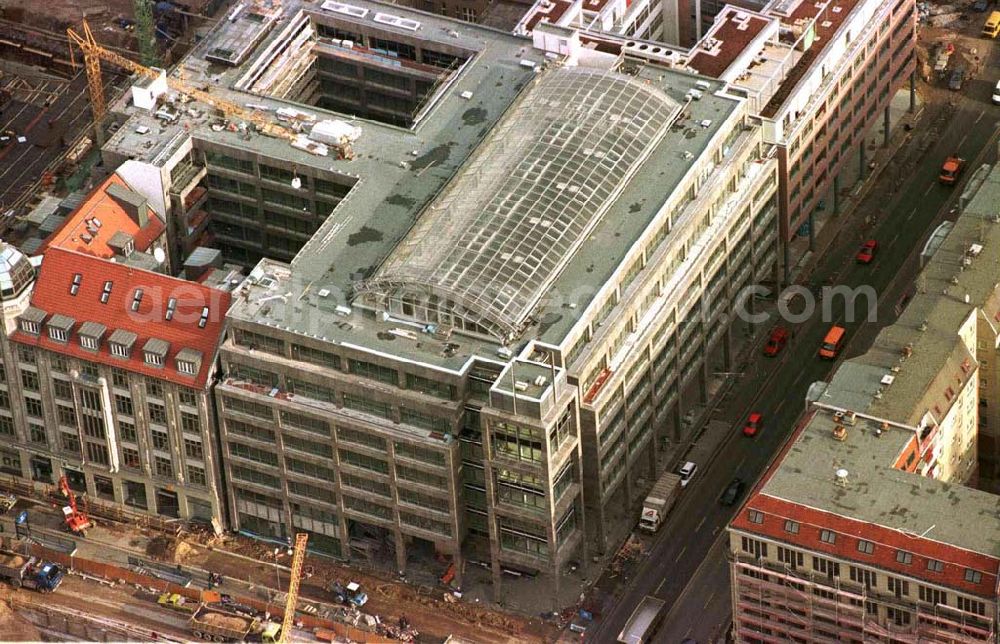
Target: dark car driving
{"points": [[732, 493]]}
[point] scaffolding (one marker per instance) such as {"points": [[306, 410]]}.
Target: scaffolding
{"points": [[772, 604]]}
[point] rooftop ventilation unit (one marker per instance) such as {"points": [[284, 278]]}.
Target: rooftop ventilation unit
{"points": [[520, 385], [396, 21], [975, 249], [839, 433], [346, 9], [840, 476]]}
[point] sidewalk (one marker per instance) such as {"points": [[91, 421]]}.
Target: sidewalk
{"points": [[854, 188]]}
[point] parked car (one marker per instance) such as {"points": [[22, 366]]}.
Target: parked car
{"points": [[956, 79], [687, 473], [732, 493], [996, 94], [754, 424], [867, 252], [776, 341]]}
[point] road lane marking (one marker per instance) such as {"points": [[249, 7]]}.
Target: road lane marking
{"points": [[740, 464], [780, 405], [980, 117], [912, 212], [709, 600], [963, 140], [680, 554], [929, 188], [700, 523]]}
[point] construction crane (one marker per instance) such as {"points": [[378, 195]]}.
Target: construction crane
{"points": [[145, 31], [77, 521], [298, 558], [94, 53]]}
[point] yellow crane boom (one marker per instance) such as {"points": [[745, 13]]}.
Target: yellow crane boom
{"points": [[298, 558], [94, 53]]}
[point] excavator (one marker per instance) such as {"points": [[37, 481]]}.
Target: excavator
{"points": [[77, 520]]}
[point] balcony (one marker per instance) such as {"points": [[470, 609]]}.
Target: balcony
{"points": [[184, 178]]}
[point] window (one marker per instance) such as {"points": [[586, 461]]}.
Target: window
{"points": [[195, 475], [161, 440], [97, 453], [373, 371], [900, 587], [862, 576], [934, 565], [154, 388], [829, 568], [29, 379], [163, 466], [866, 547], [310, 469], [6, 426], [62, 389], [193, 449], [310, 447], [187, 396], [33, 406], [265, 457], [66, 415], [363, 461], [26, 354], [69, 443], [130, 457], [36, 433], [186, 367], [190, 423], [29, 326], [347, 435], [374, 407], [756, 517], [753, 547], [904, 557], [792, 527], [127, 431], [58, 363], [517, 442], [119, 378], [136, 299], [827, 536], [972, 606], [973, 576], [123, 405], [91, 371], [307, 423], [153, 359], [59, 335], [898, 616], [932, 595], [157, 413], [106, 292], [793, 559], [119, 350]]}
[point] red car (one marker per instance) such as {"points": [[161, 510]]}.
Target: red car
{"points": [[867, 252], [776, 341], [754, 424]]}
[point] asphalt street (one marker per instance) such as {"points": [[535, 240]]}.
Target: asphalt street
{"points": [[686, 566]]}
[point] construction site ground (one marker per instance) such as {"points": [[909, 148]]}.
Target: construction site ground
{"points": [[249, 569]]}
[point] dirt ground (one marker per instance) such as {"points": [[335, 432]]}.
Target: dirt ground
{"points": [[15, 628], [425, 608]]}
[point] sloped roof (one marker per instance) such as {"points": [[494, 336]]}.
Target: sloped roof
{"points": [[52, 295], [111, 219]]}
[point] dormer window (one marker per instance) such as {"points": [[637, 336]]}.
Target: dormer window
{"points": [[74, 288], [120, 343], [154, 352], [106, 293], [136, 299], [188, 362], [59, 327], [31, 320], [90, 335]]}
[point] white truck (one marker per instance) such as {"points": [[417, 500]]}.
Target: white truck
{"points": [[661, 498], [645, 620]]}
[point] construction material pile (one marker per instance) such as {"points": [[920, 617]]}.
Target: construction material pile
{"points": [[12, 561], [225, 621]]}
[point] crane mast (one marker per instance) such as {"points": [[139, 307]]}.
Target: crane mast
{"points": [[298, 559]]}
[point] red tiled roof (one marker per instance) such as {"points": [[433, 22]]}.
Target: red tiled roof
{"points": [[52, 295], [887, 540], [113, 218]]}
